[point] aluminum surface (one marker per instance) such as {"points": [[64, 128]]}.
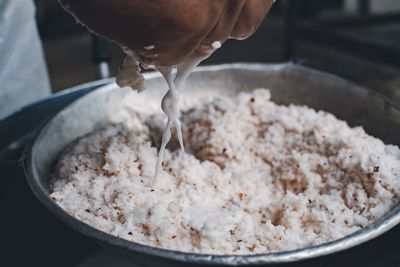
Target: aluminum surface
{"points": [[288, 84]]}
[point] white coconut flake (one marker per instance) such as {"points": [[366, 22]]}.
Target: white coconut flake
{"points": [[149, 47], [216, 45]]}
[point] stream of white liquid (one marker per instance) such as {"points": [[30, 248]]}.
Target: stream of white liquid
{"points": [[170, 105]]}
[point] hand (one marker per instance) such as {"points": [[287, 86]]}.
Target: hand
{"points": [[166, 32]]}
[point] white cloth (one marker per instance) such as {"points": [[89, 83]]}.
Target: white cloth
{"points": [[23, 73]]}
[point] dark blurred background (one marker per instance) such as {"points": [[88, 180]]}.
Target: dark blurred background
{"points": [[356, 39]]}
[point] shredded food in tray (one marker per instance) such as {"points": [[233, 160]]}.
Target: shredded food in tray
{"points": [[256, 177]]}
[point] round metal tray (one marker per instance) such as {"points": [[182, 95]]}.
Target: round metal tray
{"points": [[288, 84]]}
